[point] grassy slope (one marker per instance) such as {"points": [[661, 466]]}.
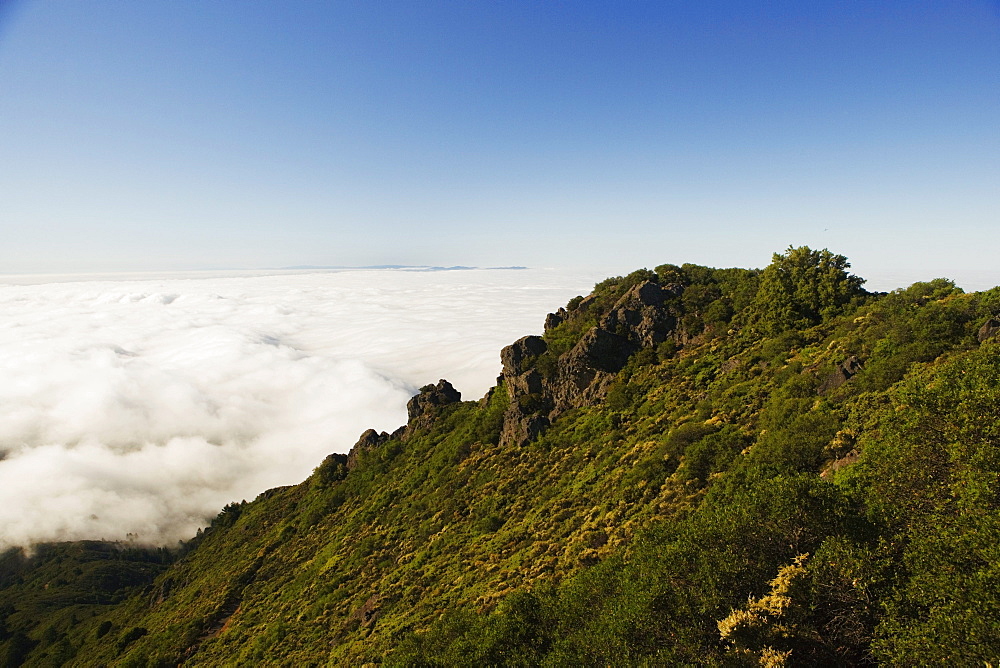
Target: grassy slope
{"points": [[343, 571]]}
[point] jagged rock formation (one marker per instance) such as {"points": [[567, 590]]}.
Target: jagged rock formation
{"points": [[989, 329], [843, 373], [553, 320], [422, 408], [523, 421], [518, 360], [586, 370], [580, 376], [441, 394], [583, 374], [369, 440], [640, 315], [421, 411]]}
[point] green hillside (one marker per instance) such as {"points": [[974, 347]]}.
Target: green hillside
{"points": [[692, 466]]}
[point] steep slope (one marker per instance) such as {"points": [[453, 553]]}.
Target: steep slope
{"points": [[691, 465]]}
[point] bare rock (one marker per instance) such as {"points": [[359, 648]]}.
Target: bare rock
{"points": [[369, 440], [368, 613], [529, 382], [989, 330], [601, 350], [585, 372], [521, 427], [581, 376], [422, 409], [847, 460], [523, 420], [553, 320], [514, 356], [841, 374], [640, 315], [432, 396]]}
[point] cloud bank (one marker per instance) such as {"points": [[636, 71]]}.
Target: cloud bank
{"points": [[143, 406]]}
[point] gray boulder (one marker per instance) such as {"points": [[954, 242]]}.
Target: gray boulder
{"points": [[989, 330]]}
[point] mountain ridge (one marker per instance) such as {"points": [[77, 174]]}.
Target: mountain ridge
{"points": [[690, 466]]}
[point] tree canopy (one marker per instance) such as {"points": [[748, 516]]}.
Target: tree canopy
{"points": [[802, 287]]}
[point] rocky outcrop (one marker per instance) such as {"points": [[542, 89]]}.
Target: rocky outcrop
{"points": [[430, 397], [523, 420], [553, 320], [368, 613], [539, 386], [989, 330], [421, 411], [850, 458], [640, 315], [582, 375], [521, 427], [422, 408], [519, 375], [369, 440], [516, 356], [841, 374], [586, 371]]}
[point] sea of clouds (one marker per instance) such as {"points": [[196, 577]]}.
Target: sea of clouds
{"points": [[143, 406]]}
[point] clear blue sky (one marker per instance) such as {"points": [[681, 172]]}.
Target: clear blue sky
{"points": [[182, 134]]}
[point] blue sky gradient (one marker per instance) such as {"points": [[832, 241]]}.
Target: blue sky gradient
{"points": [[184, 135]]}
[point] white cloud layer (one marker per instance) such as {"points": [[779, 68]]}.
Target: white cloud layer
{"points": [[144, 406]]}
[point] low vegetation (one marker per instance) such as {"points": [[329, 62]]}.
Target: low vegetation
{"points": [[799, 473]]}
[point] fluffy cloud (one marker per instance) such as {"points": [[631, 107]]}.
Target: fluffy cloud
{"points": [[144, 406]]}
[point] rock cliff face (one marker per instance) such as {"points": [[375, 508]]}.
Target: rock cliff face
{"points": [[989, 329], [540, 385], [421, 411], [841, 374], [640, 315], [523, 421], [422, 408], [586, 370], [583, 374], [369, 440], [553, 320]]}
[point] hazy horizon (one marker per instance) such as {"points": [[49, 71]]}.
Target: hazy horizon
{"points": [[969, 279]]}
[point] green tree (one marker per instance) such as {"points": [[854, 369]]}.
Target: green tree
{"points": [[801, 288], [931, 474]]}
